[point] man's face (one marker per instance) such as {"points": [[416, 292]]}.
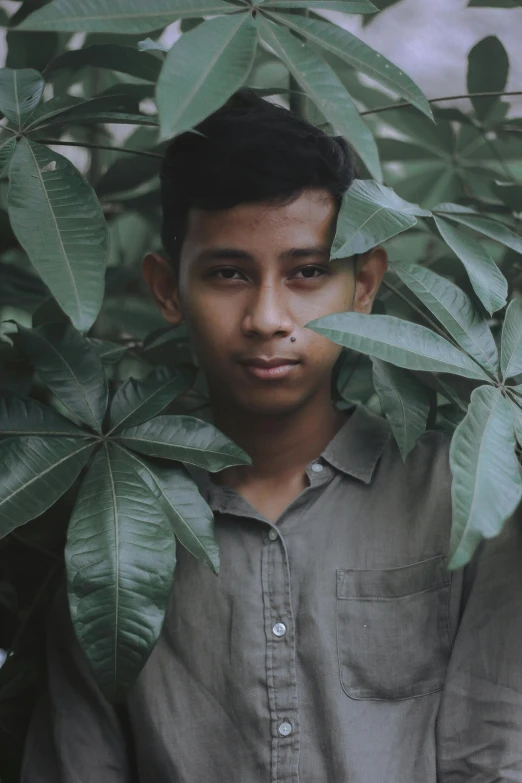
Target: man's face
{"points": [[249, 280]]}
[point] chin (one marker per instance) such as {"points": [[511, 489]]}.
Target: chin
{"points": [[266, 404]]}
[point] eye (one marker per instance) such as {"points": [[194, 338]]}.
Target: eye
{"points": [[226, 273], [311, 272]]}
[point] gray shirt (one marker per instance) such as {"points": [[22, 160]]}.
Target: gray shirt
{"points": [[333, 647]]}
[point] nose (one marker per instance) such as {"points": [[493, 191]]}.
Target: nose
{"points": [[267, 314]]}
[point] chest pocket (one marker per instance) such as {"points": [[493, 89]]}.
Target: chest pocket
{"points": [[393, 637]]}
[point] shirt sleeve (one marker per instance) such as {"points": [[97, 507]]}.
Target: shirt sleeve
{"points": [[480, 721], [76, 735]]}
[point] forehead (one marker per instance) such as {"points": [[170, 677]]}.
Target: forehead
{"points": [[309, 218]]}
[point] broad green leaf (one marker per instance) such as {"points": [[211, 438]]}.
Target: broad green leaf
{"points": [[203, 69], [324, 87], [70, 367], [396, 341], [191, 518], [405, 403], [34, 473], [185, 439], [487, 280], [345, 6], [486, 487], [120, 558], [81, 117], [352, 50], [371, 213], [119, 16], [109, 353], [454, 309], [63, 104], [7, 148], [484, 225], [58, 221], [28, 417], [20, 94], [488, 67], [137, 401], [511, 343], [123, 59]]}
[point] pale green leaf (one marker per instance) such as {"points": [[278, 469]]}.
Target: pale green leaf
{"points": [[405, 403], [70, 367], [34, 473], [486, 487], [185, 439], [20, 94], [191, 518], [371, 213], [511, 343], [324, 87], [120, 558], [203, 69], [396, 341], [487, 280], [58, 221], [484, 225], [137, 401], [454, 309], [362, 57], [24, 416]]}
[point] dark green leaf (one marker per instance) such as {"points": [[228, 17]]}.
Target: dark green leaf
{"points": [[20, 94], [487, 280], [124, 59], [510, 194], [184, 439], [484, 225], [511, 343], [345, 6], [29, 417], [405, 402], [137, 401], [109, 353], [58, 221], [203, 69], [396, 341], [70, 367], [323, 86], [59, 108], [454, 309], [7, 148], [486, 486], [34, 473], [488, 67], [119, 16], [120, 558]]}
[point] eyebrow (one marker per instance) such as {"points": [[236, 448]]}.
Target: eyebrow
{"points": [[227, 253]]}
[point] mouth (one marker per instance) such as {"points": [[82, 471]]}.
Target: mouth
{"points": [[270, 369]]}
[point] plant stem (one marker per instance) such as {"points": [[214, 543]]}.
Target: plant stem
{"points": [[435, 100], [59, 142]]}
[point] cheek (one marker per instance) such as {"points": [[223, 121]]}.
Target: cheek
{"points": [[211, 324]]}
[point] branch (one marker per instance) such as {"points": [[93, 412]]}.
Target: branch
{"points": [[100, 147], [435, 100]]}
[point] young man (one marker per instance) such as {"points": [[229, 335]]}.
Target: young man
{"points": [[334, 646]]}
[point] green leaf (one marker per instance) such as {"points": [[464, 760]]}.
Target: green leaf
{"points": [[49, 112], [203, 69], [34, 473], [487, 280], [119, 16], [371, 213], [29, 417], [509, 194], [185, 439], [345, 6], [396, 341], [20, 94], [57, 219], [484, 225], [7, 148], [137, 401], [189, 514], [109, 353], [486, 487], [364, 59], [511, 343], [120, 558], [123, 59], [70, 367], [405, 403], [324, 87], [517, 418], [454, 309], [488, 68], [494, 4]]}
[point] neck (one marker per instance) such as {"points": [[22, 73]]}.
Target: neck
{"points": [[280, 446]]}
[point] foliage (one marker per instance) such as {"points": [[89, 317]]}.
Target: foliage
{"points": [[97, 396]]}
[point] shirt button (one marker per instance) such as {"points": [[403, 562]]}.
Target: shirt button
{"points": [[317, 468], [272, 534], [279, 629], [285, 728]]}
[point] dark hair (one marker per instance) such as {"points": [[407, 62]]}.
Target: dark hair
{"points": [[248, 151]]}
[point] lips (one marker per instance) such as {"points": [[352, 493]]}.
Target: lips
{"points": [[272, 368]]}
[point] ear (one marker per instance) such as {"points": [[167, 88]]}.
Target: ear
{"points": [[161, 280], [369, 271]]}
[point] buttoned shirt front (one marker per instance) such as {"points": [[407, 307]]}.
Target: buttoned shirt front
{"points": [[334, 646]]}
